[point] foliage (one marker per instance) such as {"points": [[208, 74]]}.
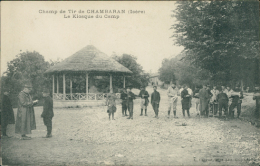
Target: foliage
{"points": [[138, 78], [219, 36], [182, 72], [166, 72], [26, 67]]}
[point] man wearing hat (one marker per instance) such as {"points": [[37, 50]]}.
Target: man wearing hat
{"points": [[7, 113], [237, 96], [144, 100], [222, 100], [204, 100], [130, 102], [123, 97], [155, 101], [172, 93], [47, 113], [25, 121]]}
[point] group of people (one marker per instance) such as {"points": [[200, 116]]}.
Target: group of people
{"points": [[25, 121], [225, 99], [127, 97], [206, 100]]}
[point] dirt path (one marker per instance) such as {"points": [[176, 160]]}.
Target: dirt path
{"points": [[86, 136]]}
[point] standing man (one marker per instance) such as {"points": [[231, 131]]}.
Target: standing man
{"points": [[47, 113], [222, 100], [229, 92], [190, 93], [123, 97], [210, 95], [236, 96], [130, 103], [213, 100], [256, 97], [197, 100], [7, 113], [172, 93], [144, 100], [155, 100], [185, 101], [204, 100], [25, 121]]}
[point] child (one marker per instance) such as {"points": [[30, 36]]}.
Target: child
{"points": [[111, 105], [47, 113]]}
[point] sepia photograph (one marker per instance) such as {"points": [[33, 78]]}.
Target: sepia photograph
{"points": [[130, 83]]}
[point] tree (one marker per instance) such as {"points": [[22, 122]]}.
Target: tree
{"points": [[181, 71], [218, 36], [26, 67], [166, 72], [139, 77]]}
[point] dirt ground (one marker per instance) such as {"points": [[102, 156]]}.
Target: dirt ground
{"points": [[85, 136]]}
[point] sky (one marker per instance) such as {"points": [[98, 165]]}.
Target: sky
{"points": [[26, 26]]}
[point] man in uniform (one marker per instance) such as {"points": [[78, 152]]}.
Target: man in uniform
{"points": [[197, 100], [190, 92], [223, 88], [222, 100], [47, 113], [213, 100], [172, 99], [7, 113], [144, 100], [204, 101], [130, 102], [155, 100], [123, 97], [25, 121], [235, 102], [185, 101]]}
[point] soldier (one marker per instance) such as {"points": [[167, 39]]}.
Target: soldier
{"points": [[190, 92], [130, 103], [223, 88], [47, 113], [172, 99], [229, 91], [213, 100], [204, 101], [7, 113], [144, 100], [197, 100], [235, 102], [123, 97], [25, 121], [256, 97], [185, 101], [222, 100], [155, 100]]}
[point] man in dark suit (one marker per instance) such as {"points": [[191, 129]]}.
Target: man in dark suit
{"points": [[144, 100], [47, 113], [222, 100], [123, 97], [130, 102], [7, 116], [155, 100]]}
